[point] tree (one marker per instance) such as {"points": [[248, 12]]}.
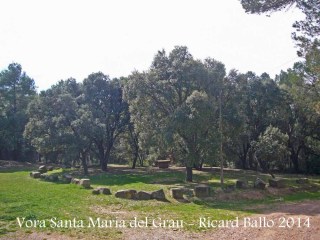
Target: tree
{"points": [[307, 31], [165, 106], [16, 90], [104, 99], [271, 150]]}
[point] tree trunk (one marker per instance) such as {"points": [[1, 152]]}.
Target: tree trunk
{"points": [[134, 161], [83, 157], [189, 174]]}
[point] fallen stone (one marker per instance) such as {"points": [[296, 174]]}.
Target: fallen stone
{"points": [[241, 184], [84, 182], [95, 191], [52, 178], [67, 178], [202, 191], [127, 194], [141, 195], [158, 195], [42, 169], [302, 180], [177, 193], [75, 180], [50, 168], [103, 190], [259, 184], [277, 183], [43, 175], [35, 174]]}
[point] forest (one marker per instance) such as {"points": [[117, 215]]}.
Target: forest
{"points": [[191, 111]]}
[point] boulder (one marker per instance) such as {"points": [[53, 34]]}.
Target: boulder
{"points": [[202, 191], [42, 169], [302, 180], [35, 174], [158, 195], [142, 195], [43, 175], [127, 194], [104, 190], [50, 168], [85, 182], [277, 183], [177, 193], [95, 191], [75, 180], [259, 184], [67, 178], [241, 183], [52, 178]]}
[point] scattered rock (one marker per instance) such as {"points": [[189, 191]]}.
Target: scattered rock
{"points": [[259, 184], [127, 194], [95, 191], [177, 193], [67, 178], [158, 195], [52, 178], [50, 168], [302, 180], [43, 175], [277, 183], [141, 195], [85, 182], [42, 169], [202, 191], [104, 190], [75, 180], [35, 174], [242, 183]]}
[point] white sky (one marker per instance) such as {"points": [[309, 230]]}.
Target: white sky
{"points": [[58, 39]]}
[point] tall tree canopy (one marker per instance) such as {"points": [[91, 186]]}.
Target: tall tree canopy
{"points": [[16, 91]]}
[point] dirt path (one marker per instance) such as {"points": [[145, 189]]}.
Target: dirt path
{"points": [[279, 215]]}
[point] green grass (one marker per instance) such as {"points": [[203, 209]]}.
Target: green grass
{"points": [[22, 196]]}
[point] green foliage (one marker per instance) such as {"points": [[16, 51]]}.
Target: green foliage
{"points": [[271, 149], [16, 91]]}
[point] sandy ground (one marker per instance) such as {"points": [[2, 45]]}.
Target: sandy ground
{"points": [[279, 215]]}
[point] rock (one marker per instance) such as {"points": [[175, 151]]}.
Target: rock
{"points": [[42, 169], [202, 191], [141, 195], [67, 178], [241, 183], [103, 190], [52, 178], [43, 176], [302, 180], [85, 182], [259, 184], [35, 174], [127, 194], [96, 191], [177, 193], [277, 183], [50, 168], [158, 195], [75, 180]]}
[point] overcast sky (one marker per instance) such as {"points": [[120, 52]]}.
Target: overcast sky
{"points": [[58, 39]]}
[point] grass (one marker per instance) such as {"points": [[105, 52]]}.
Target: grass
{"points": [[22, 196]]}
